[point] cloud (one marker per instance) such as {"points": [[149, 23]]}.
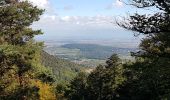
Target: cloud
{"points": [[67, 18], [80, 28], [40, 3], [85, 20], [116, 4], [50, 11], [55, 23], [51, 17]]}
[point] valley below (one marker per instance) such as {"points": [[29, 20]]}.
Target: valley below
{"points": [[89, 55]]}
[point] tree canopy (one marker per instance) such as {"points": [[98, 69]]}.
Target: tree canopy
{"points": [[149, 75], [19, 53]]}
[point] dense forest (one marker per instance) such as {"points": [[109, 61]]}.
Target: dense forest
{"points": [[22, 76], [28, 73], [62, 70]]}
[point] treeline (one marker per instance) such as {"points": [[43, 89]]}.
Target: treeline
{"points": [[100, 84], [140, 80], [63, 70]]}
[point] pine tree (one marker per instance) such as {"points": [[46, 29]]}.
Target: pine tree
{"points": [[17, 47], [77, 88], [149, 76], [104, 80]]}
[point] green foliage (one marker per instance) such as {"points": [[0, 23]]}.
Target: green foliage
{"points": [[113, 61], [101, 84], [148, 77], [23, 77], [46, 91], [103, 81], [19, 53], [63, 70], [30, 93], [15, 21], [77, 88]]}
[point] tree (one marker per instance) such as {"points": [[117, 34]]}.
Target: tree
{"points": [[18, 50], [77, 88], [149, 76], [95, 83], [155, 27], [104, 80], [100, 84], [113, 61]]}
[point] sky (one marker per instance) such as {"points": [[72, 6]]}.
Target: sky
{"points": [[84, 20]]}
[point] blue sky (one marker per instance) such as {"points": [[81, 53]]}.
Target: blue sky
{"points": [[91, 7], [85, 7], [84, 20]]}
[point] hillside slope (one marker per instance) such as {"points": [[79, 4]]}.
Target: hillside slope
{"points": [[62, 69]]}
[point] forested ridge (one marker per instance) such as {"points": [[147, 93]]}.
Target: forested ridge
{"points": [[62, 70], [28, 73]]}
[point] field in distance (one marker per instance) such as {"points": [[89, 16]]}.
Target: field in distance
{"points": [[88, 54]]}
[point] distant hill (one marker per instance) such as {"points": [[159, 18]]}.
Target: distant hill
{"points": [[90, 55], [62, 69], [93, 51]]}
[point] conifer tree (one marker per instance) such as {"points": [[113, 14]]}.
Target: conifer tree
{"points": [[148, 78], [77, 88], [17, 47]]}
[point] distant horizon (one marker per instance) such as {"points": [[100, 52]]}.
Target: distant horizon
{"points": [[118, 44], [111, 39], [85, 21]]}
